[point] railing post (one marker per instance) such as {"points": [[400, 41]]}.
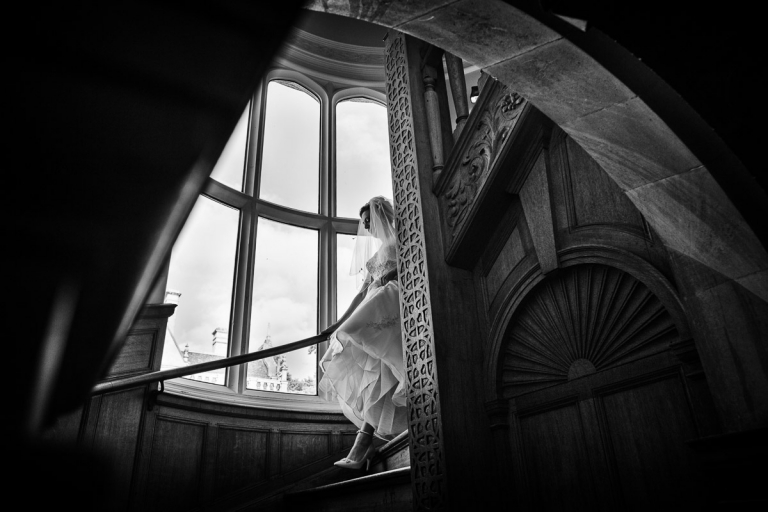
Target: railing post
{"points": [[458, 91]]}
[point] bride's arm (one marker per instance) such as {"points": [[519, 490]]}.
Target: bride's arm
{"points": [[352, 307]]}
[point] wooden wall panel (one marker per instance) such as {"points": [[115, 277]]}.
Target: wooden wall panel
{"points": [[348, 439], [241, 458], [559, 473], [592, 198], [511, 254], [175, 467], [136, 354], [300, 448], [535, 198], [65, 429], [115, 439], [648, 425]]}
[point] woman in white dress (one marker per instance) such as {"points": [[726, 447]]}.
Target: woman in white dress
{"points": [[363, 365]]}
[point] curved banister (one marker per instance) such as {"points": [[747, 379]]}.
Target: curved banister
{"points": [[148, 378]]}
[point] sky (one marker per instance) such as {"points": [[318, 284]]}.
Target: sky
{"points": [[285, 285]]}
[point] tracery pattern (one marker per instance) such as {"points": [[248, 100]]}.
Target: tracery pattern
{"points": [[425, 425]]}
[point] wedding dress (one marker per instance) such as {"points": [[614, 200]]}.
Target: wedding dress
{"points": [[363, 365]]}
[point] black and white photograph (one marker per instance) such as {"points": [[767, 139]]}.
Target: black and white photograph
{"points": [[382, 256]]}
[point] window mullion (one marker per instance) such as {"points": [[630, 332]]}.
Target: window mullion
{"points": [[326, 155], [326, 284], [255, 141], [241, 305]]}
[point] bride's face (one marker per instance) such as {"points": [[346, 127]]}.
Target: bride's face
{"points": [[366, 218]]}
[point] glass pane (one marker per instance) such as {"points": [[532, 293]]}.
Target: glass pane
{"points": [[229, 168], [291, 156], [346, 285], [362, 155], [200, 281], [284, 307]]}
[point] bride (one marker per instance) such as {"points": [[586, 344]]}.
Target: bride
{"points": [[364, 362]]}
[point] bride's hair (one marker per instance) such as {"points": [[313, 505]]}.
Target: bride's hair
{"points": [[386, 208]]}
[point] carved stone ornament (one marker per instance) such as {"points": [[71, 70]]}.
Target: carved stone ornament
{"points": [[487, 135], [424, 423], [584, 320]]}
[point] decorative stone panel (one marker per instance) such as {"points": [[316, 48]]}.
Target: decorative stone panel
{"points": [[425, 425]]}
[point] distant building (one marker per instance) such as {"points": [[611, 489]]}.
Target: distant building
{"points": [[270, 374]]}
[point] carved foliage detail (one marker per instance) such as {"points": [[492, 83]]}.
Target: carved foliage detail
{"points": [[425, 425], [584, 320], [493, 126]]}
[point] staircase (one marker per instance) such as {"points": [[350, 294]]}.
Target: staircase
{"points": [[385, 487]]}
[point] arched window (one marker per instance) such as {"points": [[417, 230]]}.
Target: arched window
{"points": [[362, 154], [266, 249]]}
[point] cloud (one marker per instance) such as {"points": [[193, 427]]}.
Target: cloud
{"points": [[362, 155]]}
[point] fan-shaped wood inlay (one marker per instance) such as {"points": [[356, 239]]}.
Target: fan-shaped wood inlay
{"points": [[585, 319]]}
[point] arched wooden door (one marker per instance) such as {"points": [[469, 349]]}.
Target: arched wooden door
{"points": [[600, 405]]}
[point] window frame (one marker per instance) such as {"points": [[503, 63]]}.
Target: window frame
{"points": [[251, 207]]}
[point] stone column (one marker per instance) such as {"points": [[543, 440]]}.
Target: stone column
{"points": [[425, 425], [450, 444]]}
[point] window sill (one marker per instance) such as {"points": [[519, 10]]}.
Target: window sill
{"points": [[215, 393]]}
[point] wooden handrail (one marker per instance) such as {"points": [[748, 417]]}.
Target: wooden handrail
{"points": [[148, 378]]}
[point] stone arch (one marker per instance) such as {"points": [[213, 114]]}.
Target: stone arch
{"points": [[608, 115]]}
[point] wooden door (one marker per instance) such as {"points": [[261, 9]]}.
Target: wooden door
{"points": [[599, 406]]}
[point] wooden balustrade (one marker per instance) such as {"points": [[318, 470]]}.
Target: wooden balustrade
{"points": [[458, 91], [433, 121]]}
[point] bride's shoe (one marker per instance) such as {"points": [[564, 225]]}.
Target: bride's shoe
{"points": [[347, 463]]}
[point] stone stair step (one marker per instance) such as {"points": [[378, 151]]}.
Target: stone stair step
{"points": [[392, 455], [382, 491]]}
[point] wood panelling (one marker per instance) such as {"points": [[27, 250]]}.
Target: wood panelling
{"points": [[65, 430], [186, 452], [511, 254], [109, 427], [115, 438], [348, 439], [556, 459], [647, 425], [173, 480], [598, 385], [241, 458], [136, 354], [586, 319], [592, 198], [621, 445], [534, 196], [300, 448]]}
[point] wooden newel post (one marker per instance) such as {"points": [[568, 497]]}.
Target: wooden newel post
{"points": [[458, 91], [433, 120]]}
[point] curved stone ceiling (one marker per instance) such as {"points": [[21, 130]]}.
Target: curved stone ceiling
{"points": [[607, 116]]}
